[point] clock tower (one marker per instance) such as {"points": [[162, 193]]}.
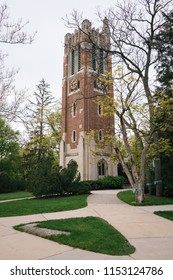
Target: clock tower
{"points": [[81, 114]]}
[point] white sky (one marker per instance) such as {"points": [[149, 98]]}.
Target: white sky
{"points": [[44, 58]]}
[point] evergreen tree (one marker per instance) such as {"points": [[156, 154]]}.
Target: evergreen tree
{"points": [[164, 44], [10, 161], [38, 123], [164, 95]]}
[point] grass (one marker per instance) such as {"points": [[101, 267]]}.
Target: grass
{"points": [[15, 195], [165, 214], [90, 233], [42, 205], [129, 197]]}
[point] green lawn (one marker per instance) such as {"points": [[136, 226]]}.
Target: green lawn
{"points": [[165, 214], [129, 197], [42, 205], [90, 233], [15, 195]]}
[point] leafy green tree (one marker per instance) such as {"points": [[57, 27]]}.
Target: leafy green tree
{"points": [[41, 151], [164, 94], [10, 161], [164, 43]]}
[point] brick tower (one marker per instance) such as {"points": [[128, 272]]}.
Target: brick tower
{"points": [[81, 114]]}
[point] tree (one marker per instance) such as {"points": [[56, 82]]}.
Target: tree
{"points": [[10, 33], [164, 43], [44, 132], [10, 163], [164, 93], [38, 123], [132, 26]]}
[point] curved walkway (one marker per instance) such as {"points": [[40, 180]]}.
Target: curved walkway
{"points": [[151, 235]]}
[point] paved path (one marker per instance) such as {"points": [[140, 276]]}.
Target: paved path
{"points": [[151, 235]]}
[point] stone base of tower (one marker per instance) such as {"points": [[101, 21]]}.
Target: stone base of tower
{"points": [[91, 164]]}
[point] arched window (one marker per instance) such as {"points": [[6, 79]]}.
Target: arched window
{"points": [[102, 168]]}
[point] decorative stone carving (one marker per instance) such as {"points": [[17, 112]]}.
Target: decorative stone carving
{"points": [[99, 84], [74, 85]]}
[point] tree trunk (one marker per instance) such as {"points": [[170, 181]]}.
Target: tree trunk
{"points": [[149, 182], [158, 177], [157, 164], [139, 195]]}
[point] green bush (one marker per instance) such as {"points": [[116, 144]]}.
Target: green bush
{"points": [[47, 179], [81, 188], [39, 178], [107, 182], [168, 191], [151, 189], [112, 182], [69, 177], [5, 182], [94, 184], [8, 184]]}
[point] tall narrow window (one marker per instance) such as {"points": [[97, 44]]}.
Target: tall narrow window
{"points": [[74, 136], [100, 135], [79, 60], [100, 109], [94, 58], [72, 61], [101, 61], [102, 168], [74, 109]]}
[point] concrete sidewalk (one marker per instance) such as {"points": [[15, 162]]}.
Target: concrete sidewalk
{"points": [[151, 235]]}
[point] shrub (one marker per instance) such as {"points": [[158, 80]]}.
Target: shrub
{"points": [[9, 184], [94, 184], [107, 182], [47, 179], [150, 189], [39, 178], [168, 191], [81, 188], [69, 177], [112, 182], [5, 182]]}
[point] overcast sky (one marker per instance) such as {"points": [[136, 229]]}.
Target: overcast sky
{"points": [[44, 58]]}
